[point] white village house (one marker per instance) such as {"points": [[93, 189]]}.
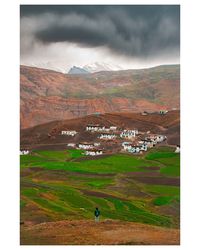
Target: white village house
{"points": [[69, 132], [132, 148], [152, 140], [157, 138], [100, 128], [144, 113], [94, 127], [178, 149], [85, 145], [126, 145], [107, 136], [24, 152], [114, 128], [148, 142], [137, 148], [163, 112], [129, 133], [94, 152], [161, 138], [71, 145]]}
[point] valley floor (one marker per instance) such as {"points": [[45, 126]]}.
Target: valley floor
{"points": [[105, 232]]}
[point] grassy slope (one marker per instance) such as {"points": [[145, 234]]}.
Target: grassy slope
{"points": [[59, 188]]}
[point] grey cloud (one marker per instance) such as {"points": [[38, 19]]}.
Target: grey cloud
{"points": [[133, 30]]}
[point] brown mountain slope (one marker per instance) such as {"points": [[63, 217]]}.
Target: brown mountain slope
{"points": [[50, 133], [47, 95], [106, 232]]}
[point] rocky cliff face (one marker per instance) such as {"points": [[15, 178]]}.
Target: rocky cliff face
{"points": [[48, 95]]}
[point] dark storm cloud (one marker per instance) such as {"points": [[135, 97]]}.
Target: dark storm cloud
{"points": [[132, 30]]}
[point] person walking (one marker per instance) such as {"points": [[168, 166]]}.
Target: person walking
{"points": [[96, 214]]}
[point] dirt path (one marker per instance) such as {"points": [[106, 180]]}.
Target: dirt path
{"points": [[106, 232]]}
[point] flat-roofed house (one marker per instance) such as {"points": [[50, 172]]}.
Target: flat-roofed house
{"points": [[71, 145], [94, 127], [178, 149], [161, 138], [148, 142], [163, 112], [94, 152], [134, 148], [24, 152], [113, 128], [129, 133], [86, 145], [69, 132], [99, 128], [156, 138], [107, 136], [143, 147], [126, 145]]}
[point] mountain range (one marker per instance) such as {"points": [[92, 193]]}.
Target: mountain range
{"points": [[101, 66], [47, 95], [93, 68], [77, 70]]}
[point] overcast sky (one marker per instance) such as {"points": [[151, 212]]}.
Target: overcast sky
{"points": [[131, 36]]}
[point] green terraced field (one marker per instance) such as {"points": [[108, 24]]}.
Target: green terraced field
{"points": [[169, 159], [58, 185]]}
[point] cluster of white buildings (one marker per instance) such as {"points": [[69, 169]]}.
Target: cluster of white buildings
{"points": [[111, 132], [107, 133], [152, 140], [94, 152], [91, 148], [107, 136], [129, 134], [134, 148], [157, 138], [143, 144], [69, 132], [135, 143], [99, 128], [148, 142], [86, 145]]}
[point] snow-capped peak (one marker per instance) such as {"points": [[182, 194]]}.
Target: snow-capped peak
{"points": [[101, 66]]}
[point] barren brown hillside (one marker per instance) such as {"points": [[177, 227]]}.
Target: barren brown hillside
{"points": [[47, 95], [107, 232]]}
